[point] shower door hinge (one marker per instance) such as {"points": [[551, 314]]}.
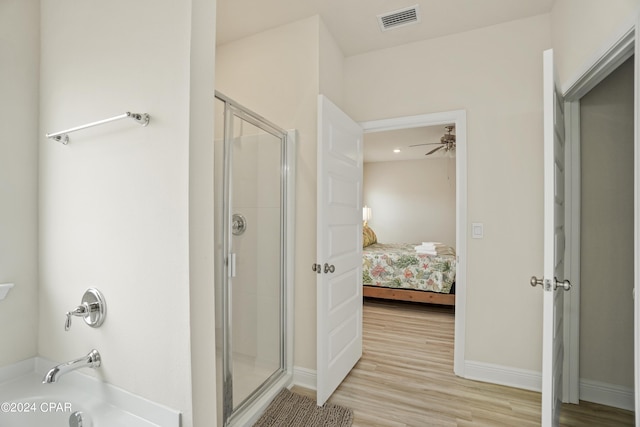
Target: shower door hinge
{"points": [[231, 265]]}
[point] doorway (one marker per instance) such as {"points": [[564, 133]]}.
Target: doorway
{"points": [[410, 196], [606, 188], [618, 53], [457, 118], [339, 331]]}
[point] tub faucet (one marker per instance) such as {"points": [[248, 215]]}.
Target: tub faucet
{"points": [[91, 360]]}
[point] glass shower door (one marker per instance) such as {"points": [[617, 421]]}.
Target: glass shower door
{"points": [[255, 246], [253, 251]]}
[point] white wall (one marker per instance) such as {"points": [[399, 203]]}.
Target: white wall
{"points": [[201, 209], [606, 276], [494, 74], [20, 36], [412, 201], [114, 203], [331, 65], [583, 28]]}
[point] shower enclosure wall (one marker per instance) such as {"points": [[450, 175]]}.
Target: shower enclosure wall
{"points": [[254, 247]]}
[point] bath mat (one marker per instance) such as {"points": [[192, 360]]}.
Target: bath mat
{"points": [[294, 410]]}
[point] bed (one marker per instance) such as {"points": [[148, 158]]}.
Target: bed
{"points": [[397, 271]]}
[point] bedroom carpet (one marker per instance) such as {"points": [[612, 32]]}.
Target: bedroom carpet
{"points": [[294, 410]]}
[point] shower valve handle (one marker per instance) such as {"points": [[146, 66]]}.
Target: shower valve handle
{"points": [[92, 309], [79, 311]]}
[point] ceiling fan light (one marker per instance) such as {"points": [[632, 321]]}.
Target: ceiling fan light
{"points": [[448, 140]]}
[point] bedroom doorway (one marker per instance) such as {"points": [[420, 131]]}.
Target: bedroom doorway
{"points": [[439, 121], [409, 238]]}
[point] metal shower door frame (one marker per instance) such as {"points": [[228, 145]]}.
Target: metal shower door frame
{"points": [[231, 111]]}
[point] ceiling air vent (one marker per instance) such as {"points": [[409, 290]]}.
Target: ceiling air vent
{"points": [[399, 18]]}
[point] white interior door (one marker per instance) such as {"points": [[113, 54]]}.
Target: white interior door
{"points": [[339, 252], [553, 283]]}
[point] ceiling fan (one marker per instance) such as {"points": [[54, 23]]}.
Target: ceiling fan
{"points": [[447, 142]]}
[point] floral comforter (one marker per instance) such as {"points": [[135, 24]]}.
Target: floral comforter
{"points": [[398, 265]]}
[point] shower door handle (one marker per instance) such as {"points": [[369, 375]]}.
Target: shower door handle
{"points": [[232, 264]]}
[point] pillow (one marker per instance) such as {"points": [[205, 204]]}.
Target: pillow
{"points": [[368, 236]]}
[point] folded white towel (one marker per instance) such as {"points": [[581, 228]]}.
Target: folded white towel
{"points": [[431, 245], [438, 249], [426, 251]]}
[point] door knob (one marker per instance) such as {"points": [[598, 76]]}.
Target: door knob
{"points": [[535, 281], [565, 284], [545, 283]]}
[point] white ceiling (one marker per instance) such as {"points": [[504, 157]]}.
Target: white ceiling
{"points": [[354, 23], [379, 146]]}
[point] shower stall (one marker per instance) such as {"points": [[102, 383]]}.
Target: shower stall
{"points": [[254, 180]]}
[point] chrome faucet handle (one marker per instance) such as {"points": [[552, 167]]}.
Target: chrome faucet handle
{"points": [[80, 311], [93, 309]]}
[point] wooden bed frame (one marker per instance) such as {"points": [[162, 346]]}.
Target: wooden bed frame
{"points": [[409, 295]]}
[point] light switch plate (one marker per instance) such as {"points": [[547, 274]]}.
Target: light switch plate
{"points": [[477, 230]]}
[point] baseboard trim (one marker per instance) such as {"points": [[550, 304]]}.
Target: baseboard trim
{"points": [[305, 377], [502, 375], [607, 394], [590, 391]]}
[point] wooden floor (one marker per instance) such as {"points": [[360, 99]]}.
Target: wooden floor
{"points": [[405, 378]]}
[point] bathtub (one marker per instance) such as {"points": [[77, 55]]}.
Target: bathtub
{"points": [[43, 411], [75, 400]]}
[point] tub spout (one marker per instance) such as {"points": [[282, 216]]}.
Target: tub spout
{"points": [[91, 360]]}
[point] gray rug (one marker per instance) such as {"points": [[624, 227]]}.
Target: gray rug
{"points": [[294, 410]]}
